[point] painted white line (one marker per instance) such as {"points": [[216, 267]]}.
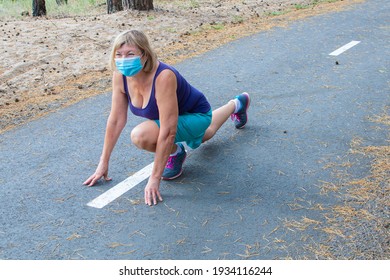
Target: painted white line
{"points": [[121, 188], [344, 48]]}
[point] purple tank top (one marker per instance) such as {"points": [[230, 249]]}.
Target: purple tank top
{"points": [[190, 100]]}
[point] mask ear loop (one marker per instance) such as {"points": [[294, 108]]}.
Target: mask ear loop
{"points": [[143, 66]]}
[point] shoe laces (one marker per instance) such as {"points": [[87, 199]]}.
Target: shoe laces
{"points": [[235, 117], [171, 162]]}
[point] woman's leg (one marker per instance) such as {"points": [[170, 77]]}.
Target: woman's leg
{"points": [[237, 107], [220, 116], [144, 136]]}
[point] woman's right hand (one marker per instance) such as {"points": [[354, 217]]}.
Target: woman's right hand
{"points": [[101, 171], [115, 124]]}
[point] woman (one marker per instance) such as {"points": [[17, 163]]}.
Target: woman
{"points": [[176, 111]]}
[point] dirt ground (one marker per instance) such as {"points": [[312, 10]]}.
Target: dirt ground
{"points": [[48, 63]]}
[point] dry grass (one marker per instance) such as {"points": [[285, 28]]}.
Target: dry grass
{"points": [[301, 225], [358, 227]]}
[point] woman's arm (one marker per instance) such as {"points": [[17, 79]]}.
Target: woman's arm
{"points": [[115, 124], [167, 103]]}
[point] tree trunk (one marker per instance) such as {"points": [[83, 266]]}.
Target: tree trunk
{"points": [[61, 2], [114, 6], [140, 5], [39, 8]]}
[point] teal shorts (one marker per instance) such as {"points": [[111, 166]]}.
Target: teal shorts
{"points": [[191, 128]]}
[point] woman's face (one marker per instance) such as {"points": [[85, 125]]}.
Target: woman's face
{"points": [[126, 51]]}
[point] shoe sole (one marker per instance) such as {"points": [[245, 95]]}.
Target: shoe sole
{"points": [[174, 177]]}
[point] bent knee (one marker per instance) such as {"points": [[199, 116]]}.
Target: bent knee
{"points": [[138, 137], [143, 138]]}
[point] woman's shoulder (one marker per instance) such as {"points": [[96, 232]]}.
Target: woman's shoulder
{"points": [[165, 76], [118, 80], [162, 66]]}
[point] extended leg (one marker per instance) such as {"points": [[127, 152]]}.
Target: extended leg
{"points": [[220, 116], [237, 108]]}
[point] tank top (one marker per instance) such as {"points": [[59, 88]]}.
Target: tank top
{"points": [[190, 100]]}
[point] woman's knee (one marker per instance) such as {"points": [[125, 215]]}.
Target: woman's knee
{"points": [[144, 137], [139, 138]]}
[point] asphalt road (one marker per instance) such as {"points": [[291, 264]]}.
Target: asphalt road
{"points": [[239, 189]]}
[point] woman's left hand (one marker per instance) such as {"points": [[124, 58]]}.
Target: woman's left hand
{"points": [[152, 192]]}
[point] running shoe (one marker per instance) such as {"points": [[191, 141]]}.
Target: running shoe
{"points": [[174, 166], [240, 118]]}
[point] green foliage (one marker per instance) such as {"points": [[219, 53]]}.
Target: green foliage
{"points": [[195, 4], [238, 19], [15, 8], [277, 13], [217, 26], [300, 6]]}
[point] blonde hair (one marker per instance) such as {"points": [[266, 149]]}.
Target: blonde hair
{"points": [[136, 38]]}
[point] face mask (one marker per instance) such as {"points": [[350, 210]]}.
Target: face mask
{"points": [[129, 66]]}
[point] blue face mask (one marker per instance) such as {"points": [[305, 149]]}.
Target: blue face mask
{"points": [[129, 66]]}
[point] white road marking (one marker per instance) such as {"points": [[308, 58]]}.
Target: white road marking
{"points": [[121, 188], [344, 48]]}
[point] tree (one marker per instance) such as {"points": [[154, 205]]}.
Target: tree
{"points": [[114, 6], [39, 8], [120, 5], [141, 5]]}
